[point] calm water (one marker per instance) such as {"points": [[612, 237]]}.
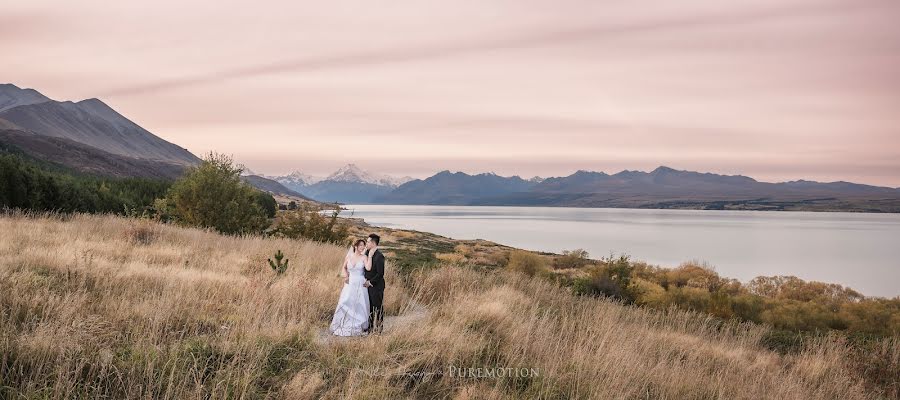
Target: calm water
{"points": [[857, 250]]}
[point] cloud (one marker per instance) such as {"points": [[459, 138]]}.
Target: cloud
{"points": [[472, 47], [15, 25]]}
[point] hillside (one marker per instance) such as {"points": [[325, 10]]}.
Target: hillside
{"points": [[93, 123], [85, 158], [147, 311]]}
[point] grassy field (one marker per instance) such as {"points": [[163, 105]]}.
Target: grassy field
{"points": [[108, 307]]}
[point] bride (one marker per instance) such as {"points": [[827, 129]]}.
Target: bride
{"points": [[351, 318]]}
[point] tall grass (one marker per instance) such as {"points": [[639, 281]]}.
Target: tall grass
{"points": [[107, 307]]}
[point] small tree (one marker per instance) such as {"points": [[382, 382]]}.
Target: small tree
{"points": [[212, 195], [278, 266]]}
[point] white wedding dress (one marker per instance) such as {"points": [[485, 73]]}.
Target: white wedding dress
{"points": [[351, 317]]}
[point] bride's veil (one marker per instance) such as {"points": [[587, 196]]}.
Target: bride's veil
{"points": [[349, 252]]}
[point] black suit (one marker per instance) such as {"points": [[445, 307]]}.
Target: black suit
{"points": [[375, 276]]}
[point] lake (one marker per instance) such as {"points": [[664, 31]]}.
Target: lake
{"points": [[853, 249]]}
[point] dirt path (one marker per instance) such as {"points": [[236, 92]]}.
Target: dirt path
{"points": [[413, 312]]}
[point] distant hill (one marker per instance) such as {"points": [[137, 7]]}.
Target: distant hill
{"points": [[455, 189], [663, 187], [349, 184], [664, 184], [90, 122]]}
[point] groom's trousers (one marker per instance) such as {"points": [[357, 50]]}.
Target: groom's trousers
{"points": [[376, 311]]}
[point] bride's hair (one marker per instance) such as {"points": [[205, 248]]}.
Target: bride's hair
{"points": [[352, 250]]}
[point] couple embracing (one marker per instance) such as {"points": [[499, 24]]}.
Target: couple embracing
{"points": [[359, 310]]}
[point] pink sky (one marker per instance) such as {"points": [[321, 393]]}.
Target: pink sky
{"points": [[774, 89]]}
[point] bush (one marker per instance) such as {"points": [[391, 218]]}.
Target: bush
{"points": [[794, 288], [307, 222], [611, 279], [572, 259], [873, 316], [695, 275], [212, 195], [796, 315], [525, 262]]}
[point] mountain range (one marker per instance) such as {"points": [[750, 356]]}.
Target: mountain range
{"points": [[91, 137], [349, 184], [663, 187]]}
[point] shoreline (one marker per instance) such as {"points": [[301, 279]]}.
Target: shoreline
{"points": [[892, 208], [411, 240], [343, 207]]}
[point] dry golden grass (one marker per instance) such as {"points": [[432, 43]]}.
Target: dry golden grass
{"points": [[105, 307], [451, 258]]}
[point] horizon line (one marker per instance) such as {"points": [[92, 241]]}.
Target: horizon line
{"points": [[269, 176]]}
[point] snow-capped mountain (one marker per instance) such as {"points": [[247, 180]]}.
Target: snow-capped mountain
{"points": [[298, 178], [352, 173], [400, 181], [349, 184]]}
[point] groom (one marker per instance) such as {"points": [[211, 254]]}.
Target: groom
{"points": [[375, 283]]}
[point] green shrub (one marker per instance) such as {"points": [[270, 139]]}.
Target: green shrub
{"points": [[266, 202], [212, 195]]}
